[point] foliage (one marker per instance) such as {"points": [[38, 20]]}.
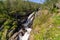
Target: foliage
{"points": [[12, 12]]}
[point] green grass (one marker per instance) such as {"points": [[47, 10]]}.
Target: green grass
{"points": [[46, 27]]}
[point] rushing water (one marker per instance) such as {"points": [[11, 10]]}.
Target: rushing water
{"points": [[27, 28]]}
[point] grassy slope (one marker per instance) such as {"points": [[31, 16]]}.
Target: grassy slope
{"points": [[46, 26]]}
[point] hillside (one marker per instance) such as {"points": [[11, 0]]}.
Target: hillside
{"points": [[46, 26], [47, 23], [12, 15]]}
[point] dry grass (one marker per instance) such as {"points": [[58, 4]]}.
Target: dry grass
{"points": [[46, 26]]}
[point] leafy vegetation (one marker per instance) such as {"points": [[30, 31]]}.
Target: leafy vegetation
{"points": [[12, 12]]}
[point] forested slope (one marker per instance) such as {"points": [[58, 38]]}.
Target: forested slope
{"points": [[12, 12]]}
